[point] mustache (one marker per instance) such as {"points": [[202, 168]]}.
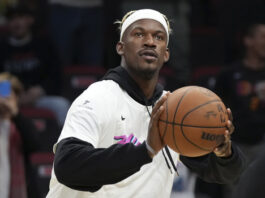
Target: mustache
{"points": [[149, 52]]}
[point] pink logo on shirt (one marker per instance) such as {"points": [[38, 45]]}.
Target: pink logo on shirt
{"points": [[123, 139]]}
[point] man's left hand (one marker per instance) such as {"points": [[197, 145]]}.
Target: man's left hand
{"points": [[225, 149]]}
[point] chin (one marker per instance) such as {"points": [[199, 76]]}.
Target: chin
{"points": [[149, 71], [148, 74]]}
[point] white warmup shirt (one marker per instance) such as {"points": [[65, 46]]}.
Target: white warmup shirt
{"points": [[104, 115]]}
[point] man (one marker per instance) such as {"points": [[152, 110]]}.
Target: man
{"points": [[33, 60], [110, 144], [242, 87]]}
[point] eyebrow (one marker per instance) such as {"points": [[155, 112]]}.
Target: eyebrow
{"points": [[142, 29]]}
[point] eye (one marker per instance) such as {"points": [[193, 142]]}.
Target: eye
{"points": [[139, 34], [159, 37]]}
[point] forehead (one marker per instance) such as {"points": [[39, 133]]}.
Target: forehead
{"points": [[147, 25]]}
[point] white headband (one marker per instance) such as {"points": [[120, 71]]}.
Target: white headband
{"points": [[145, 14]]}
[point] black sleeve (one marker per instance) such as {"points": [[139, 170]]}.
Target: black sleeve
{"points": [[251, 184], [28, 132], [215, 169], [80, 166]]}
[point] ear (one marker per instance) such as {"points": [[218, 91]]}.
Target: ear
{"points": [[167, 55], [120, 48]]}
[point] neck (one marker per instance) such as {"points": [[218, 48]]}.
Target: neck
{"points": [[147, 85], [254, 62]]}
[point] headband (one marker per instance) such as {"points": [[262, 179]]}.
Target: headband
{"points": [[145, 14]]}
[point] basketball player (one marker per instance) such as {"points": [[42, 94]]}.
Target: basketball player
{"points": [[110, 145]]}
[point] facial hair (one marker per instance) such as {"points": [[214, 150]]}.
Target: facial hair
{"points": [[145, 74]]}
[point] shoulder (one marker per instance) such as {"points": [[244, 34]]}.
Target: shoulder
{"points": [[104, 88], [102, 94]]}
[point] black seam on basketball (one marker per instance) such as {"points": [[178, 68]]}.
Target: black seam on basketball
{"points": [[204, 149], [174, 117], [165, 130], [192, 126], [197, 107]]}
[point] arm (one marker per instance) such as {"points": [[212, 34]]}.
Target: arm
{"points": [[221, 170], [80, 166]]}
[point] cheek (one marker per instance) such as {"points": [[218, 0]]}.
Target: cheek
{"points": [[164, 55], [130, 50]]}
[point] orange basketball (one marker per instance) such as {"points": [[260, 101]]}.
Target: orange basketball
{"points": [[193, 122]]}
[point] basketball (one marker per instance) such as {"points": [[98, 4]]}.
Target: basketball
{"points": [[193, 122]]}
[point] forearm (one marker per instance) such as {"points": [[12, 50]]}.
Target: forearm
{"points": [[214, 169], [80, 166]]}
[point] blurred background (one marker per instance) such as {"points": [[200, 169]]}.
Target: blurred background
{"points": [[54, 49]]}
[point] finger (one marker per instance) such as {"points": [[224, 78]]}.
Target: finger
{"points": [[230, 115], [224, 150], [225, 140], [160, 102], [227, 136], [230, 126], [232, 129], [157, 114], [221, 148]]}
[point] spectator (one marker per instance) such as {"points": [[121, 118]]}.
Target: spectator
{"points": [[34, 62], [18, 138], [242, 87], [77, 29]]}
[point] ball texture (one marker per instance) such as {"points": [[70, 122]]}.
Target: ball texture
{"points": [[193, 122]]}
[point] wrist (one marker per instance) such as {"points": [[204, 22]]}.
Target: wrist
{"points": [[150, 150]]}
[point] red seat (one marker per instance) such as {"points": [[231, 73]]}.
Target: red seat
{"points": [[46, 124], [77, 78], [42, 163]]}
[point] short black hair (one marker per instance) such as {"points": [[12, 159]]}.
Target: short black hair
{"points": [[19, 10]]}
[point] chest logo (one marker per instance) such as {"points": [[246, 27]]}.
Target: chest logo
{"points": [[124, 139]]}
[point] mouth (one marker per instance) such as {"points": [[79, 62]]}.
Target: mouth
{"points": [[149, 55]]}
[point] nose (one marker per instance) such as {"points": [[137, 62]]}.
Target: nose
{"points": [[149, 41]]}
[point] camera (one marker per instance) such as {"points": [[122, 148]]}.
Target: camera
{"points": [[5, 88]]}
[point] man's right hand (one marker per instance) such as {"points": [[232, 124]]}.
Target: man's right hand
{"points": [[153, 137]]}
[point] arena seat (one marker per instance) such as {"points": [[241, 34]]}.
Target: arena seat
{"points": [[41, 163], [77, 78], [46, 125]]}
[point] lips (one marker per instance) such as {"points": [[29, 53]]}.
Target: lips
{"points": [[148, 54]]}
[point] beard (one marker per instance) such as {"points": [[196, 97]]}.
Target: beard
{"points": [[145, 73]]}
